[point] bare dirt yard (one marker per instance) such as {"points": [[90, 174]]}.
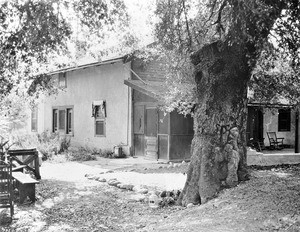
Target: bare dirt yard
{"points": [[70, 197]]}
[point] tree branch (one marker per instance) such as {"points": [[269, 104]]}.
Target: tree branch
{"points": [[187, 25]]}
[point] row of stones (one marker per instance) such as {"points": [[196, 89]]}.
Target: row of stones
{"points": [[165, 197]]}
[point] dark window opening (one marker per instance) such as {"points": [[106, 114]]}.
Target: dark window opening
{"points": [[284, 120], [69, 121], [55, 115], [100, 127], [63, 120]]}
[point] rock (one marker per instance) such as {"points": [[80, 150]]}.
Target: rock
{"points": [[143, 191], [170, 200], [132, 170], [170, 166], [183, 162], [140, 226], [101, 179], [129, 187], [135, 188], [160, 167], [110, 171], [176, 193], [140, 190], [190, 205], [145, 168], [113, 182], [126, 186], [138, 198], [90, 177], [163, 194]]}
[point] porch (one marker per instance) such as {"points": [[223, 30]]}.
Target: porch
{"points": [[272, 157]]}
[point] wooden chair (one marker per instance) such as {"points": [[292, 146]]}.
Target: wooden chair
{"points": [[275, 143], [6, 189]]}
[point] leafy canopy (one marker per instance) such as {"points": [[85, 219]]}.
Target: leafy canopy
{"points": [[268, 29], [38, 36]]}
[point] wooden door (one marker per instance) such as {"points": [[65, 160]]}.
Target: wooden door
{"points": [[151, 133]]}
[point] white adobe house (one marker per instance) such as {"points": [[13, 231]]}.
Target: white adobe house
{"points": [[111, 103], [116, 102], [93, 108]]}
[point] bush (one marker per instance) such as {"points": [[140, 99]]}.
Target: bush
{"points": [[47, 143], [80, 154]]}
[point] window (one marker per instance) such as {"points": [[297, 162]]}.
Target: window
{"points": [[62, 80], [69, 121], [62, 121], [34, 116], [284, 120], [54, 120], [99, 113], [100, 127]]}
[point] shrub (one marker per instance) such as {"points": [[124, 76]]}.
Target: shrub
{"points": [[80, 154], [47, 143]]}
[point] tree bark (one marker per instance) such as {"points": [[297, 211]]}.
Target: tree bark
{"points": [[222, 72], [219, 144]]}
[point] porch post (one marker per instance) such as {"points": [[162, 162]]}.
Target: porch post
{"points": [[297, 132]]}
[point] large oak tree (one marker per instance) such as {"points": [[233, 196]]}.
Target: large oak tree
{"points": [[230, 44]]}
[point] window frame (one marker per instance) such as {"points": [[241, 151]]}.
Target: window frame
{"points": [[284, 120], [62, 80], [99, 114], [104, 127], [56, 113]]}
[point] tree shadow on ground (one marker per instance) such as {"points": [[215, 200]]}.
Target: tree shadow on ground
{"points": [[31, 216]]}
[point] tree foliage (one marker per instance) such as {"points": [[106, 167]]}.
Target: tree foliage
{"points": [[185, 26], [37, 37]]}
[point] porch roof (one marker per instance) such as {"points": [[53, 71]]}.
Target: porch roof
{"points": [[270, 105], [154, 89]]}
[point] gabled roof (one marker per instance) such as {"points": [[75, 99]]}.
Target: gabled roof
{"points": [[109, 61]]}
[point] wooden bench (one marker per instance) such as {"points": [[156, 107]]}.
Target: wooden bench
{"points": [[24, 158], [25, 185]]}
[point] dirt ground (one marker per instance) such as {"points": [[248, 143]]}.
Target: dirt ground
{"points": [[68, 201]]}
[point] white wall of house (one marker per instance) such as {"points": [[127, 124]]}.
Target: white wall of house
{"points": [[103, 82], [271, 125]]}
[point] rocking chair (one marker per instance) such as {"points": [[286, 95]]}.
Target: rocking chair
{"points": [[275, 143]]}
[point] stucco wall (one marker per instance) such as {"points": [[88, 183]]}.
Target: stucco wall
{"points": [[271, 125], [104, 82]]}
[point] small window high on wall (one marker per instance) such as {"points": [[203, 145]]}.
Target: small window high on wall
{"points": [[99, 113], [62, 80], [284, 120], [34, 117]]}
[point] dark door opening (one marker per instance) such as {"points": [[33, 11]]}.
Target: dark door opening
{"points": [[255, 126]]}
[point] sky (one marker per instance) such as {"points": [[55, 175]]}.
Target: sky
{"points": [[142, 20]]}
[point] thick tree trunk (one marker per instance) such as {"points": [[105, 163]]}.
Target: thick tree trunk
{"points": [[219, 144], [223, 70]]}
